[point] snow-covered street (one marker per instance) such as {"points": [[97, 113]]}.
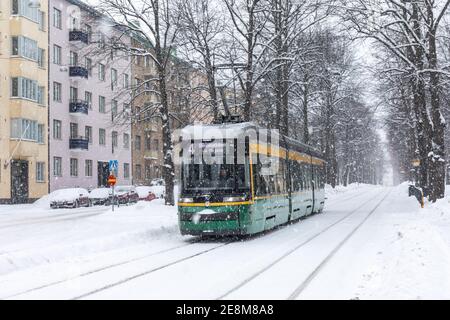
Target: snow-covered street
{"points": [[370, 243]]}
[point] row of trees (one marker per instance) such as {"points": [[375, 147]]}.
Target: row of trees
{"points": [[286, 59], [412, 45]]}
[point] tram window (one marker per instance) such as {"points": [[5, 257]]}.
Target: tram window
{"points": [[260, 183], [242, 176], [306, 170], [298, 176]]}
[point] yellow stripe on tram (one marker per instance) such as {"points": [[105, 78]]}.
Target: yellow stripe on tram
{"points": [[215, 204]]}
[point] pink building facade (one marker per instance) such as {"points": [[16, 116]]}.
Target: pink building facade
{"points": [[88, 93]]}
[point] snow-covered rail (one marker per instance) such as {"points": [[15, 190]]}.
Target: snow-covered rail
{"points": [[313, 274], [303, 243]]}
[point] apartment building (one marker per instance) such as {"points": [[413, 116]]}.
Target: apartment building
{"points": [[89, 99], [187, 102], [146, 130], [23, 100]]}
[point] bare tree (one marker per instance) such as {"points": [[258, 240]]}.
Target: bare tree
{"points": [[154, 22], [201, 28]]}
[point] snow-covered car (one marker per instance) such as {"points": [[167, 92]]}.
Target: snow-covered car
{"points": [[145, 193], [69, 198], [157, 182], [125, 195], [100, 196], [159, 191]]}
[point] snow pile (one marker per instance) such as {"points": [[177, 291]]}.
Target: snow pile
{"points": [[79, 235]]}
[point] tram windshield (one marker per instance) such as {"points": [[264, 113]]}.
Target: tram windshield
{"points": [[217, 177]]}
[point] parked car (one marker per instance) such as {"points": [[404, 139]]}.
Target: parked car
{"points": [[157, 182], [159, 191], [69, 198], [145, 193], [100, 196], [125, 195]]}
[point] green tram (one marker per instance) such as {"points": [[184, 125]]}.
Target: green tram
{"points": [[272, 185]]}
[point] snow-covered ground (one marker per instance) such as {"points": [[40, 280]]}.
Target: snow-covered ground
{"points": [[370, 243]]}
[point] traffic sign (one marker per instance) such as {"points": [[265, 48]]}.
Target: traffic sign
{"points": [[112, 180], [113, 166]]}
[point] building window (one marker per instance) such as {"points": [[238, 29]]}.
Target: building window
{"points": [[126, 141], [73, 58], [137, 142], [102, 104], [113, 79], [41, 138], [24, 88], [114, 139], [57, 129], [88, 30], [73, 94], [24, 129], [57, 20], [156, 144], [23, 8], [88, 98], [41, 21], [88, 64], [41, 96], [148, 172], [73, 167], [148, 143], [138, 173], [126, 81], [102, 137], [24, 47], [88, 164], [126, 170], [40, 171], [57, 91], [73, 130], [88, 133], [114, 108], [57, 166], [57, 55], [41, 58], [101, 72]]}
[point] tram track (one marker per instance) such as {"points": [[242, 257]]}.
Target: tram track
{"points": [[103, 268], [305, 242], [325, 261], [164, 266]]}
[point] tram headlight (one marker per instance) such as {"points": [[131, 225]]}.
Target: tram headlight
{"points": [[186, 200], [234, 199]]}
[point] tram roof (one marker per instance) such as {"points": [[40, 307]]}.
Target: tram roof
{"points": [[236, 130]]}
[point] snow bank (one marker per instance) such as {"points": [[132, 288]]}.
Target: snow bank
{"points": [[77, 237]]}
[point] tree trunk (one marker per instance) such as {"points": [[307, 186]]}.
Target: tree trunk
{"points": [[437, 159]]}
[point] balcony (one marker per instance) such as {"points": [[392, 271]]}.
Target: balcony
{"points": [[78, 71], [79, 143], [79, 107], [79, 35]]}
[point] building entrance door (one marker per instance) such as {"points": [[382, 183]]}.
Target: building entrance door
{"points": [[19, 181], [103, 173]]}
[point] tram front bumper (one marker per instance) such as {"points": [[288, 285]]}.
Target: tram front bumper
{"points": [[219, 223]]}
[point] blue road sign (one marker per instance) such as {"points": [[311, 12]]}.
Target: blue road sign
{"points": [[113, 166]]}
